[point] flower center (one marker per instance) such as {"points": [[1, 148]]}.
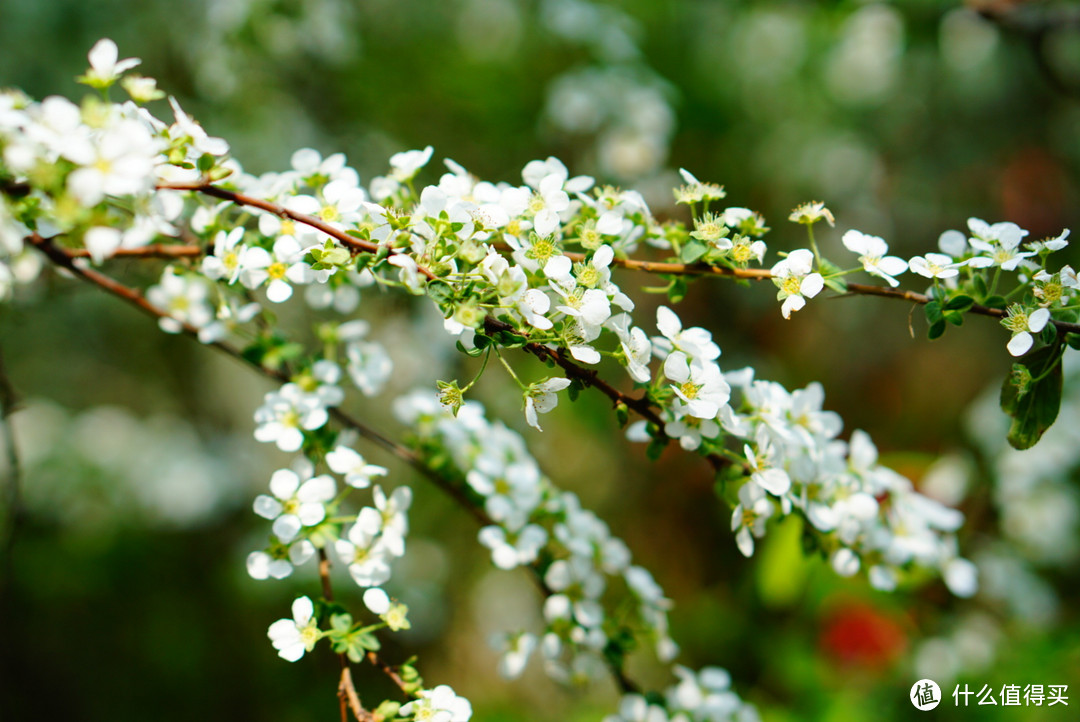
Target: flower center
{"points": [[277, 270], [791, 285], [689, 389]]}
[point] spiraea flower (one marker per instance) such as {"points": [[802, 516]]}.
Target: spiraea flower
{"points": [[796, 280], [293, 637]]}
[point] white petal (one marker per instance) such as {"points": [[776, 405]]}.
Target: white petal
{"points": [[1020, 344], [1037, 321], [377, 601]]}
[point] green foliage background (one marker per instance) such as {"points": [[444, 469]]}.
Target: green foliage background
{"points": [[113, 615]]}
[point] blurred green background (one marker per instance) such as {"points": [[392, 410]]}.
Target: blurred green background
{"points": [[125, 593]]}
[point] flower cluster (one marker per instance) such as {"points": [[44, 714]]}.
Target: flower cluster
{"points": [[537, 525], [703, 696]]}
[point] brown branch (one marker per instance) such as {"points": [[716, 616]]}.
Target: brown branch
{"points": [[760, 274], [152, 251], [355, 244], [641, 405]]}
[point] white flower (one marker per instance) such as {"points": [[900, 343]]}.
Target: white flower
{"points": [[699, 385], [369, 366], [406, 164], [292, 637], [541, 398], [263, 565], [1002, 245], [812, 212], [689, 430], [285, 414], [226, 259], [636, 348], [357, 472], [1023, 324], [962, 577], [294, 505], [872, 250], [280, 266], [121, 163], [438, 705], [749, 517], [183, 298], [935, 265], [793, 277], [516, 655], [509, 550], [365, 550], [695, 342], [548, 202], [409, 274], [770, 478], [105, 68], [845, 562]]}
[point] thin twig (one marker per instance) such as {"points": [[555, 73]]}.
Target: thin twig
{"points": [[351, 242], [156, 250]]}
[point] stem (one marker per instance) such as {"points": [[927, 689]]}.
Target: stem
{"points": [[479, 373], [509, 370], [813, 245]]}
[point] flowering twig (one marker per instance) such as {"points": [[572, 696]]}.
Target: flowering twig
{"points": [[761, 274], [241, 199], [346, 690], [61, 258]]}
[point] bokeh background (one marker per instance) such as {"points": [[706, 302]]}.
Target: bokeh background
{"points": [[124, 592]]}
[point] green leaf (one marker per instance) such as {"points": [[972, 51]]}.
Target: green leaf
{"points": [[836, 284], [996, 302], [655, 448], [959, 303], [1073, 339], [692, 251], [573, 390], [1031, 395], [979, 284], [677, 290], [956, 318], [933, 312], [937, 329], [622, 413], [474, 352]]}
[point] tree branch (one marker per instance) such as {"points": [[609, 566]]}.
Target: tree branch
{"points": [[353, 243]]}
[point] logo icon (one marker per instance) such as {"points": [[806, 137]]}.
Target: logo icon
{"points": [[925, 695]]}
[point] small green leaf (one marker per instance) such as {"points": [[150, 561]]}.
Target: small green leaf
{"points": [[677, 290], [996, 302], [959, 303], [956, 318], [937, 329], [979, 285], [622, 413], [692, 251], [933, 312], [1073, 339], [836, 284], [573, 390], [655, 448], [1031, 395]]}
